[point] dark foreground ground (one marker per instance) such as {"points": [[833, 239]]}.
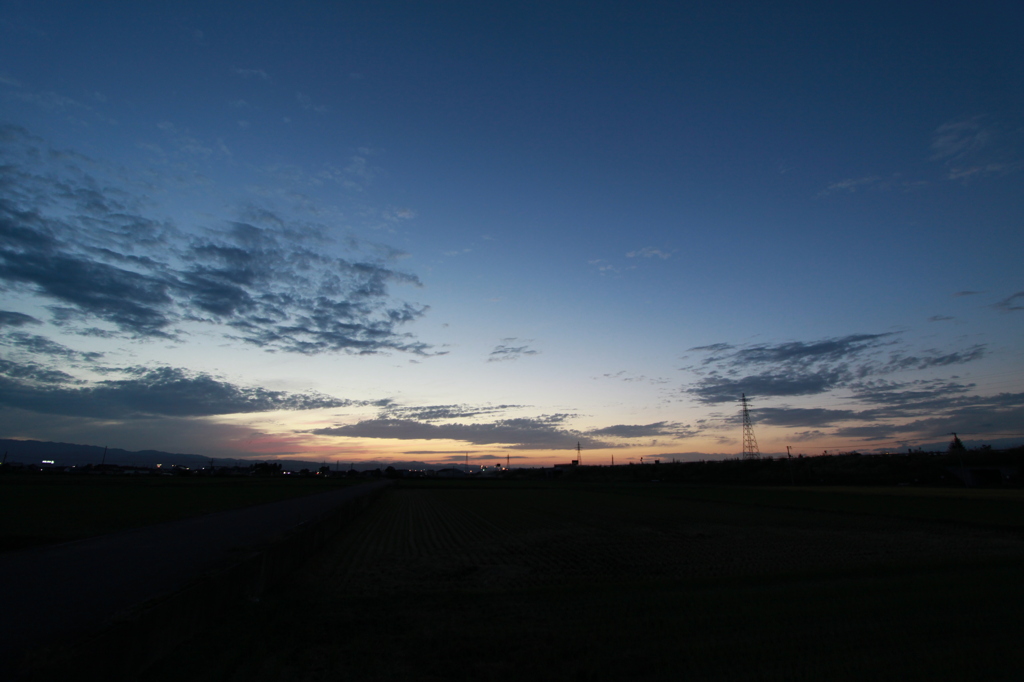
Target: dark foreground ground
{"points": [[57, 601], [495, 581]]}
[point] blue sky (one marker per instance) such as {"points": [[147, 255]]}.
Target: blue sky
{"points": [[405, 231]]}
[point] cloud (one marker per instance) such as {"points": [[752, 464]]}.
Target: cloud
{"points": [[933, 358], [144, 392], [670, 429], [832, 350], [976, 147], [714, 347], [85, 248], [1003, 413], [504, 351], [306, 102], [803, 417], [33, 258], [629, 378], [51, 101], [604, 266], [1011, 303], [251, 74], [170, 434], [798, 368], [356, 176], [940, 318], [981, 170], [40, 345], [397, 214], [903, 411], [852, 184], [187, 145], [722, 389], [873, 182], [12, 319], [431, 413], [543, 433], [813, 434], [894, 399], [960, 139], [649, 252], [977, 419], [13, 374]]}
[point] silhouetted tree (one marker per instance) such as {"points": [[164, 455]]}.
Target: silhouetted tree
{"points": [[957, 446]]}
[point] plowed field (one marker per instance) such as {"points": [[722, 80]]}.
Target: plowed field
{"points": [[447, 538], [495, 581]]}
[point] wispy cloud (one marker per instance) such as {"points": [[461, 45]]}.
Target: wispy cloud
{"points": [[89, 250], [633, 378], [604, 267], [668, 429], [960, 139], [544, 432], [142, 392], [902, 411], [1001, 414], [433, 413], [649, 252], [251, 74], [852, 184], [507, 351], [804, 417], [306, 102], [976, 147], [10, 318], [184, 142], [875, 183], [798, 368], [1011, 303], [41, 345]]}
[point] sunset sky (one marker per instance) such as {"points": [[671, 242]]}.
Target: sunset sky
{"points": [[407, 231]]}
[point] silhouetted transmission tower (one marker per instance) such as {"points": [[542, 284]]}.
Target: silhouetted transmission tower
{"points": [[750, 450]]}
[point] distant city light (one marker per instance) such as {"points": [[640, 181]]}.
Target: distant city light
{"points": [[49, 461]]}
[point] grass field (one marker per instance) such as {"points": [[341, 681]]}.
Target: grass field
{"points": [[497, 581], [42, 509]]}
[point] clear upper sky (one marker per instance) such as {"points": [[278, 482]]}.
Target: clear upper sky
{"points": [[407, 231]]}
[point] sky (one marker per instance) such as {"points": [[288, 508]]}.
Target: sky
{"points": [[435, 232]]}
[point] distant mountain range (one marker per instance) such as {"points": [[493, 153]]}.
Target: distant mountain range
{"points": [[71, 454]]}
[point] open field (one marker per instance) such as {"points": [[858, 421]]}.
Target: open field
{"points": [[979, 506], [42, 509], [496, 581]]}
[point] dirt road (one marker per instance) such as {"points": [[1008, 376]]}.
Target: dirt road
{"points": [[70, 591]]}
